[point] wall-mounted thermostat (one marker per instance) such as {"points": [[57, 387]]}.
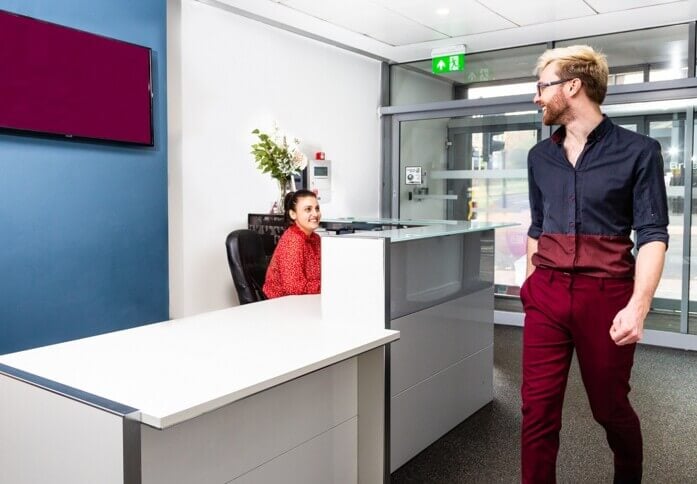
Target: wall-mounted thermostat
{"points": [[413, 175]]}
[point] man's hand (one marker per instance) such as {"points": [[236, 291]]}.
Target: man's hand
{"points": [[628, 325]]}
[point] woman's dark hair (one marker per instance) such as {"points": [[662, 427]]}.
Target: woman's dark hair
{"points": [[290, 202]]}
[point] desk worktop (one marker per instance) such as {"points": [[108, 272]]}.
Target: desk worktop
{"points": [[176, 370]]}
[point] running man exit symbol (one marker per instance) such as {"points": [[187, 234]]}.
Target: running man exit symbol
{"points": [[454, 63], [448, 63]]}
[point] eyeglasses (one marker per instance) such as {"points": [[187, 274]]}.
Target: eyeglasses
{"points": [[542, 85]]}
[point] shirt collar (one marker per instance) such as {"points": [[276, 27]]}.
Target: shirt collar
{"points": [[598, 132], [298, 230]]}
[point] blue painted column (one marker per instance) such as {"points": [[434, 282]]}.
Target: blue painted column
{"points": [[83, 225]]}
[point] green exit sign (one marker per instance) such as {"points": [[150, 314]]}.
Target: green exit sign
{"points": [[448, 63]]}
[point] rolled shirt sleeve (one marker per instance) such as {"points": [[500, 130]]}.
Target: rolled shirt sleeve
{"points": [[650, 203], [535, 195]]}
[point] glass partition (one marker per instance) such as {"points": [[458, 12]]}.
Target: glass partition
{"points": [[655, 54], [642, 55], [486, 74], [502, 72], [472, 168]]}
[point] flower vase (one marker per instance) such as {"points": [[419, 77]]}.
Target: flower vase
{"points": [[284, 188]]}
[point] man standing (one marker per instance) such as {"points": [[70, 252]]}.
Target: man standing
{"points": [[590, 184]]}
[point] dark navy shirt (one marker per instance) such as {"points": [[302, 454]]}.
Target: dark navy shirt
{"points": [[582, 216]]}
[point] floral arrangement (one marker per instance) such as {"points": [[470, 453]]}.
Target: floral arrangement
{"points": [[274, 155], [282, 160]]}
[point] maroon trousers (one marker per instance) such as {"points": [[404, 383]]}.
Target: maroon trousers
{"points": [[562, 312]]}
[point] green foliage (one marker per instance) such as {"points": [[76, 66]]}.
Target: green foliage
{"points": [[275, 157]]}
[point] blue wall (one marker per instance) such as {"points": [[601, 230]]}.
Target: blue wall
{"points": [[83, 225]]}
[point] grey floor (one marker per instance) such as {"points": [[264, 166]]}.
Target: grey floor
{"points": [[485, 448]]}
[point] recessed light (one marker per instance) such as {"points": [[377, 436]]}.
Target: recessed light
{"points": [[443, 11]]}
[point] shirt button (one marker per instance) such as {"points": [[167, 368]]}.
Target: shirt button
{"points": [[571, 224]]}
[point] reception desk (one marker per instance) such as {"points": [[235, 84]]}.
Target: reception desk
{"points": [[432, 281], [267, 392], [301, 389]]}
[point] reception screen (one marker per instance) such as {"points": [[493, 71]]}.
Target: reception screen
{"points": [[63, 81]]}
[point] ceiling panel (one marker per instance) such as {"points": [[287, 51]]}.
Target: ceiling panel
{"points": [[407, 30], [466, 17], [603, 6], [539, 11], [368, 18]]}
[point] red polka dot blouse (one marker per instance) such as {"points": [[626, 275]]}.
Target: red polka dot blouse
{"points": [[295, 265]]}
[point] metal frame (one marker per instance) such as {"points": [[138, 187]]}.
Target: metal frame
{"points": [[687, 220], [132, 465], [691, 46], [652, 91], [387, 270], [385, 141]]}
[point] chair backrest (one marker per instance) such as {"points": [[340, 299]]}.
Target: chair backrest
{"points": [[248, 264]]}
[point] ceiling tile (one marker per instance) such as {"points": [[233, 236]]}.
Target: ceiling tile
{"points": [[466, 16], [368, 18], [539, 11], [603, 6]]}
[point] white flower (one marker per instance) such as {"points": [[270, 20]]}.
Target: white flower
{"points": [[299, 160]]}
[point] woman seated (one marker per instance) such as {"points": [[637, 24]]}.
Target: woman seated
{"points": [[295, 265]]}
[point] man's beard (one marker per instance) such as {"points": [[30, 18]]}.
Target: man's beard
{"points": [[556, 111]]}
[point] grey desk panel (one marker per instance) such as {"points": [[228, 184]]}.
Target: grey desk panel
{"points": [[440, 336], [425, 412], [428, 272]]}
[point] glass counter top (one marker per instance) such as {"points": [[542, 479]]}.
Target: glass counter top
{"points": [[389, 221], [408, 229]]}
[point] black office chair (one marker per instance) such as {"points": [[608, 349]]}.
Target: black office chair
{"points": [[248, 264]]}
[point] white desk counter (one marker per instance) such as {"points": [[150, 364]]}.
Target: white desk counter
{"points": [[194, 377]]}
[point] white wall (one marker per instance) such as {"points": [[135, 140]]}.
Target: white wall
{"points": [[228, 75]]}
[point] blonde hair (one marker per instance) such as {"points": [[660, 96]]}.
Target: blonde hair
{"points": [[582, 62]]}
